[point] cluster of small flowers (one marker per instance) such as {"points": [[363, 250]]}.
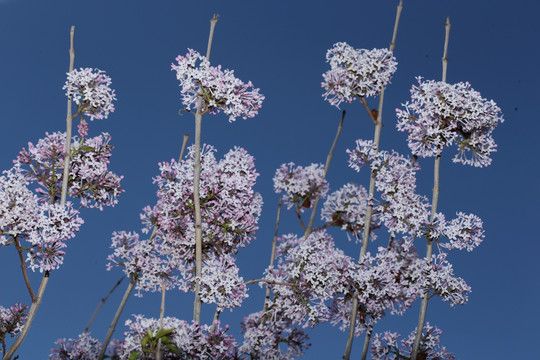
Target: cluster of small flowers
{"points": [[84, 348], [217, 89], [89, 180], [317, 272], [402, 210], [386, 281], [45, 226], [438, 276], [356, 73], [440, 114], [302, 185], [229, 206], [12, 320], [230, 209], [90, 89], [385, 346], [272, 337], [346, 208], [191, 340]]}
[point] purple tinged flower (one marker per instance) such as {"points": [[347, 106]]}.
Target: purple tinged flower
{"points": [[90, 90], [356, 73], [464, 232], [85, 347], [442, 114], [44, 226], [301, 185], [385, 346], [218, 89], [89, 179], [191, 340], [12, 320], [346, 208]]}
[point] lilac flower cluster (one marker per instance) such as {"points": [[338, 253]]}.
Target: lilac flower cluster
{"points": [[85, 347], [346, 208], [90, 89], [441, 114], [89, 178], [301, 185], [230, 210], [390, 280], [218, 89], [385, 346], [191, 340], [45, 226], [356, 73], [12, 320], [272, 337]]}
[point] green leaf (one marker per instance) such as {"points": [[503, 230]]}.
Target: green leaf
{"points": [[134, 355], [174, 349], [163, 332]]}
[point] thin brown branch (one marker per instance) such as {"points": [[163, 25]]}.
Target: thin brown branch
{"points": [[184, 143], [101, 303], [372, 112], [326, 167], [371, 192], [197, 303], [271, 282], [273, 255], [23, 268], [434, 205], [161, 314], [299, 216]]}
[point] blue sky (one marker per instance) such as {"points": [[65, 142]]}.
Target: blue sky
{"points": [[281, 47]]}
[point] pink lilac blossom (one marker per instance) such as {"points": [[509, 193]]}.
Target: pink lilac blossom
{"points": [[385, 346], [356, 73], [464, 232], [89, 179], [442, 114], [90, 90], [319, 272], [45, 226], [230, 207], [192, 341], [85, 347], [218, 89], [301, 185], [386, 281], [12, 320], [272, 337], [400, 209], [346, 208]]}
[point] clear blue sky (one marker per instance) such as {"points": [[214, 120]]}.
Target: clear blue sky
{"points": [[281, 47]]}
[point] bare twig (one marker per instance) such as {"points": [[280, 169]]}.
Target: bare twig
{"points": [[101, 304], [36, 301], [196, 198], [184, 143], [273, 255], [23, 268], [112, 326], [369, 210], [434, 204], [326, 167], [161, 314]]}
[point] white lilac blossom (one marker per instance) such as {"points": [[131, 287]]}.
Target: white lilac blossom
{"points": [[438, 277], [89, 178], [346, 208], [190, 340], [12, 320], [218, 89], [441, 114], [44, 226], [317, 271], [272, 337], [385, 346], [356, 73], [301, 185], [85, 347], [464, 232], [90, 90]]}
